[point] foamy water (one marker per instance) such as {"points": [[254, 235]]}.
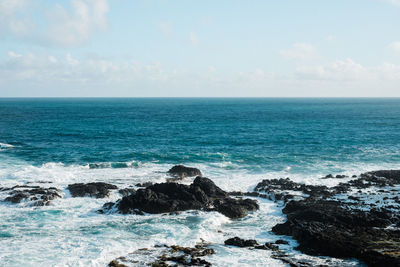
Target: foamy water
{"points": [[70, 232]]}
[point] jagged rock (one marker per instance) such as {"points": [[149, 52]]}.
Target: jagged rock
{"points": [[202, 194], [145, 184], [180, 171], [238, 242], [235, 208], [280, 241], [328, 228], [98, 190], [166, 255], [37, 196], [127, 191]]}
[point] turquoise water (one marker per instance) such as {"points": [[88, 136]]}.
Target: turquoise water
{"points": [[235, 142], [259, 134]]}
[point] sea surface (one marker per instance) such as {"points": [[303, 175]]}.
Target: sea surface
{"points": [[234, 142]]}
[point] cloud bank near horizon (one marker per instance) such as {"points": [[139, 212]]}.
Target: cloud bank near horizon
{"points": [[109, 48]]}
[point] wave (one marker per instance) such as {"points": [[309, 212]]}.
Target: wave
{"points": [[114, 165], [5, 146]]}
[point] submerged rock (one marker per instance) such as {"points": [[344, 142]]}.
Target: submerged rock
{"points": [[202, 194], [98, 190], [37, 196], [180, 171]]}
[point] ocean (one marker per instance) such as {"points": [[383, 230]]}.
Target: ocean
{"points": [[125, 141]]}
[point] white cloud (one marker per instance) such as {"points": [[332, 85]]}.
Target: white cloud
{"points": [[14, 19], [299, 51], [395, 46], [75, 26], [341, 70], [31, 74], [350, 71], [393, 2], [193, 38], [64, 26]]}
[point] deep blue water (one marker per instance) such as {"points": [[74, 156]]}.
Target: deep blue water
{"points": [[260, 134]]}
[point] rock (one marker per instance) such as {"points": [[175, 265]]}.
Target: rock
{"points": [[324, 227], [38, 196], [127, 191], [235, 208], [340, 176], [98, 190], [165, 256], [238, 242], [180, 171], [280, 241], [202, 194], [324, 223], [145, 184], [329, 176]]}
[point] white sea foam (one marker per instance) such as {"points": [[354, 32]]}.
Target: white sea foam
{"points": [[70, 232], [4, 146]]}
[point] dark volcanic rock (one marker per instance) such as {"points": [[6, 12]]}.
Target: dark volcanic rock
{"points": [[127, 191], [145, 184], [235, 208], [325, 221], [98, 190], [162, 256], [327, 228], [276, 252], [180, 171], [202, 194], [37, 196], [238, 242]]}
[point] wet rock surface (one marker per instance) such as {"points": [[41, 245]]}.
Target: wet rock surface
{"points": [[166, 256], [354, 219], [169, 197], [277, 253], [180, 172], [242, 243], [98, 190], [127, 191], [35, 195]]}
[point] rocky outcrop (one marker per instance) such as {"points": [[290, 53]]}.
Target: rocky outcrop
{"points": [[202, 194], [35, 195], [242, 243], [329, 228], [162, 256], [342, 221], [277, 253], [180, 172], [98, 190], [127, 191]]}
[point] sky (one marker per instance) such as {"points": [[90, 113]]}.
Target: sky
{"points": [[203, 48]]}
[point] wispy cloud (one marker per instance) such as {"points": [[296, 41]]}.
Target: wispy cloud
{"points": [[61, 25], [393, 2], [395, 46]]}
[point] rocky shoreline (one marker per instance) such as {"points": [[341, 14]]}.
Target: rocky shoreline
{"points": [[357, 218]]}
